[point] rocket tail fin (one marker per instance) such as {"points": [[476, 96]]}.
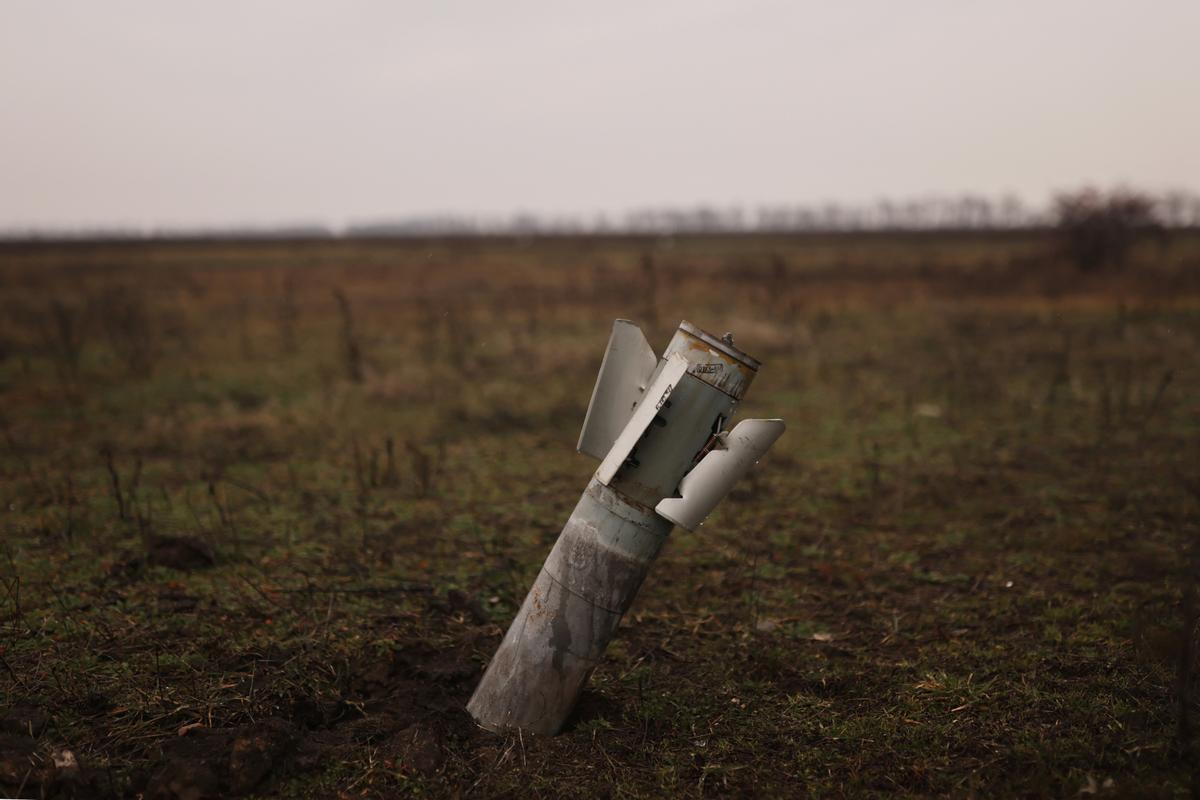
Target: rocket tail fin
{"points": [[625, 373], [711, 479], [666, 381]]}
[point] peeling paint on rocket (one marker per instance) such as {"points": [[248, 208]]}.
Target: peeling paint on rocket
{"points": [[658, 428]]}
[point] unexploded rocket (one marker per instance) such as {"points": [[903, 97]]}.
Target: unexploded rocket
{"points": [[658, 427]]}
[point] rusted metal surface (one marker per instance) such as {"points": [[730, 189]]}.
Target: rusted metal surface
{"points": [[716, 362], [592, 575]]}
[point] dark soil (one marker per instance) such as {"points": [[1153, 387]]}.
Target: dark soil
{"points": [[233, 563]]}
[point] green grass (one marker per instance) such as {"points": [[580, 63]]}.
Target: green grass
{"points": [[962, 570]]}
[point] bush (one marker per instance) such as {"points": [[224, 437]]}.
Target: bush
{"points": [[1097, 231]]}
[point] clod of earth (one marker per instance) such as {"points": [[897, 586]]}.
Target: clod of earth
{"points": [[26, 720], [179, 552], [20, 763], [208, 763]]}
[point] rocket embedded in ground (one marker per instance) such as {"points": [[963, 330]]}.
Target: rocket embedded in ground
{"points": [[658, 426]]}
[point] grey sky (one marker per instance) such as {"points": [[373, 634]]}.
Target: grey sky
{"points": [[201, 113]]}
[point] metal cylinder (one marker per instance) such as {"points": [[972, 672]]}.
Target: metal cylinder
{"points": [[602, 555], [587, 583], [715, 361]]}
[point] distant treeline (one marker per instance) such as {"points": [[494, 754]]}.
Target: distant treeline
{"points": [[1176, 209]]}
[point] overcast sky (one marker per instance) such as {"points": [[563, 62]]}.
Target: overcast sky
{"points": [[205, 113]]}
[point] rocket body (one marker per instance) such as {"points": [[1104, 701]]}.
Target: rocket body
{"points": [[653, 423], [588, 582]]}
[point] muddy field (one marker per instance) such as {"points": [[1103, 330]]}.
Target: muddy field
{"points": [[267, 509]]}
